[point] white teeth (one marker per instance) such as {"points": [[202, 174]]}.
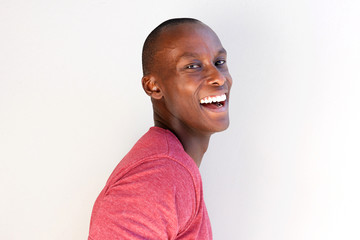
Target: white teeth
{"points": [[220, 98]]}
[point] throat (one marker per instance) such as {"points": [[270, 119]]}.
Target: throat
{"points": [[196, 148]]}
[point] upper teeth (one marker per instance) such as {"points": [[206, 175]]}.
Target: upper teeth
{"points": [[212, 99]]}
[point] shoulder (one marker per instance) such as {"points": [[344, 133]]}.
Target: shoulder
{"points": [[157, 154], [156, 177], [156, 186], [158, 194]]}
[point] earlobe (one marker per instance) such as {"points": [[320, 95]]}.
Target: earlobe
{"points": [[150, 87]]}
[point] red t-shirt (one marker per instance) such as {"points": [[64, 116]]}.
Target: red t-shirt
{"points": [[155, 192]]}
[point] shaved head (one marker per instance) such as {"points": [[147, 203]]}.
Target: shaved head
{"points": [[151, 46]]}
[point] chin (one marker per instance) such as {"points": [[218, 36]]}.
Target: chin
{"points": [[223, 128], [220, 127]]}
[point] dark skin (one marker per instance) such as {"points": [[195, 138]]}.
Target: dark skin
{"points": [[190, 66]]}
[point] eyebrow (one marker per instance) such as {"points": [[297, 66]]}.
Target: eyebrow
{"points": [[194, 55]]}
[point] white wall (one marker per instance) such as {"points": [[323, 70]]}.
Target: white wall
{"points": [[71, 106]]}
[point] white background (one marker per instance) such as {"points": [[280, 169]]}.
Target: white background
{"points": [[71, 106]]}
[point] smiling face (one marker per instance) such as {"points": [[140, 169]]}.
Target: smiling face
{"points": [[190, 80]]}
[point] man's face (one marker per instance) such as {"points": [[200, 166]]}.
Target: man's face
{"points": [[191, 70]]}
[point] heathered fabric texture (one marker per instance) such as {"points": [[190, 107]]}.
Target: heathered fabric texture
{"points": [[154, 193]]}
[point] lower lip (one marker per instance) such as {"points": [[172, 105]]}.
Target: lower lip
{"points": [[211, 108]]}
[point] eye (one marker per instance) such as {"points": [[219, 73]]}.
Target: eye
{"points": [[193, 66], [220, 62]]}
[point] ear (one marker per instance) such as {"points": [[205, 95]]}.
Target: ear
{"points": [[151, 87]]}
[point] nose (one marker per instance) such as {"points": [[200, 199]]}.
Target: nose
{"points": [[215, 77]]}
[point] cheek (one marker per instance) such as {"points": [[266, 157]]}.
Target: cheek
{"points": [[181, 92], [230, 83], [229, 80]]}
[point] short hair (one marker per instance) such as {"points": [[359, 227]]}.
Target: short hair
{"points": [[150, 44]]}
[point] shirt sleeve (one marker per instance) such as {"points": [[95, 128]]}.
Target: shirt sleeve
{"points": [[156, 200]]}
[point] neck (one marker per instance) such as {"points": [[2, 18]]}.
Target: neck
{"points": [[195, 144]]}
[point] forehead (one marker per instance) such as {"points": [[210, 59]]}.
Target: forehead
{"points": [[188, 39]]}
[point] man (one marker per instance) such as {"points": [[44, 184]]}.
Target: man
{"points": [[156, 191]]}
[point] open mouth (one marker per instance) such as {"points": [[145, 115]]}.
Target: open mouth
{"points": [[213, 102]]}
